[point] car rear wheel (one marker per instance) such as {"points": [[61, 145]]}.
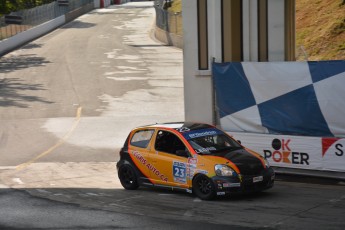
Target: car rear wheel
{"points": [[203, 187], [128, 177]]}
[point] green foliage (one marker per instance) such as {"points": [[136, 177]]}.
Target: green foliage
{"points": [[8, 6]]}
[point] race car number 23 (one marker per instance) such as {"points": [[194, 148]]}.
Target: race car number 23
{"points": [[179, 170]]}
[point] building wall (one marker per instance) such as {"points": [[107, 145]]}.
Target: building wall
{"points": [[197, 83], [237, 30]]}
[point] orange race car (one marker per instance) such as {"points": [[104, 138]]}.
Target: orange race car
{"points": [[194, 157]]}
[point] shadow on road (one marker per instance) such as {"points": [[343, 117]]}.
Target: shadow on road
{"points": [[19, 210], [13, 63], [287, 204], [78, 25], [31, 46], [12, 93]]}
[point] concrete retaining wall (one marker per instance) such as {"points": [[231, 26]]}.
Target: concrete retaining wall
{"points": [[20, 39], [168, 38], [80, 11]]}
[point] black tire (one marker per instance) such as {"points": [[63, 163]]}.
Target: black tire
{"points": [[128, 178], [203, 187]]}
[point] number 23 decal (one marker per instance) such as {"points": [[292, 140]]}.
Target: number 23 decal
{"points": [[179, 172]]}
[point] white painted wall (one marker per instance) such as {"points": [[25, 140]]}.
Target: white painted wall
{"points": [[198, 84], [276, 35], [250, 30]]}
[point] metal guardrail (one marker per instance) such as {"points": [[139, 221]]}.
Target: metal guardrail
{"points": [[169, 21], [26, 19]]}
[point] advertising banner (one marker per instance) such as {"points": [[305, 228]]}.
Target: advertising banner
{"points": [[314, 153], [286, 98]]}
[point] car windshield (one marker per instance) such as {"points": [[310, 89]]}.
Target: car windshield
{"points": [[211, 142]]}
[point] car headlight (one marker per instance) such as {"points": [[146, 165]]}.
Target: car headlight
{"points": [[267, 163], [224, 170]]}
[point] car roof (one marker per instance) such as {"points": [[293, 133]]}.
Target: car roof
{"points": [[180, 126]]}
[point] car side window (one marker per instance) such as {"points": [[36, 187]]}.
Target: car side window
{"points": [[142, 138], [168, 142]]}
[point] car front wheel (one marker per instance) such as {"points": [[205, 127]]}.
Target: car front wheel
{"points": [[128, 177], [203, 187]]}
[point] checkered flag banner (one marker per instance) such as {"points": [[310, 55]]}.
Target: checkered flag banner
{"points": [[288, 98]]}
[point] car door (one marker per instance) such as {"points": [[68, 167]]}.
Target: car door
{"points": [[167, 167]]}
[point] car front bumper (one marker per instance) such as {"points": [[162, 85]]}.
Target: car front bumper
{"points": [[244, 183]]}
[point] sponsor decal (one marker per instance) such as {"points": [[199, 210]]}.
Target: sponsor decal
{"points": [[183, 129], [179, 171], [282, 153], [231, 185], [258, 179], [334, 146], [202, 171], [152, 168], [192, 160], [191, 166], [201, 133], [205, 150], [220, 193]]}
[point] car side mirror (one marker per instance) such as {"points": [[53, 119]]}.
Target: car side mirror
{"points": [[182, 153]]}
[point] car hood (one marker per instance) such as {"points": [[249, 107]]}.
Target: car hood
{"points": [[247, 163]]}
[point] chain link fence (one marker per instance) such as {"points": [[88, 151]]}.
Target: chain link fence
{"points": [[167, 20], [23, 20]]}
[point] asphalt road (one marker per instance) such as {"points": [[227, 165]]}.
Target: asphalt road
{"points": [[67, 103]]}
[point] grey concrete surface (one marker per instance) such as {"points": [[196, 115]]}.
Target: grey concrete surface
{"points": [[67, 102], [21, 211], [87, 85], [293, 203]]}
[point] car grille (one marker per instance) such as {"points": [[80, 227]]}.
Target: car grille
{"points": [[250, 168]]}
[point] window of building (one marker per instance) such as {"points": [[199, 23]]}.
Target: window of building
{"points": [[231, 30], [202, 35]]}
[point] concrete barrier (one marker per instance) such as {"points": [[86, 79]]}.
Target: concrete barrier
{"points": [[97, 4], [78, 12], [106, 3], [168, 38], [20, 39]]}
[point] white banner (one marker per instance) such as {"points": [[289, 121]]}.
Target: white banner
{"points": [[313, 153]]}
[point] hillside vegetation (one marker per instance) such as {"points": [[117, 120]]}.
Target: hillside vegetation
{"points": [[320, 29]]}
